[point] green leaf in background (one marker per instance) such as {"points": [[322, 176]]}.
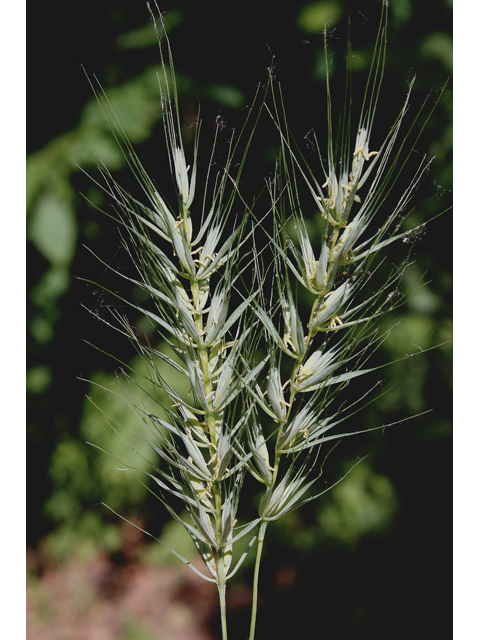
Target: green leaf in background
{"points": [[39, 379], [145, 37], [53, 228], [364, 503], [439, 46], [315, 16], [83, 477], [401, 10], [226, 95]]}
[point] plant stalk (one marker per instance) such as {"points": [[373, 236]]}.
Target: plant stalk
{"points": [[221, 585], [261, 537]]}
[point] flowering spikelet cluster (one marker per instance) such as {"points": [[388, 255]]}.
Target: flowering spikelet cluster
{"points": [[189, 262]]}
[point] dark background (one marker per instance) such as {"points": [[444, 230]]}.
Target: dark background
{"points": [[387, 577]]}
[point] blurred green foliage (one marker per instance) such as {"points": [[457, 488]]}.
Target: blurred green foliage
{"points": [[218, 67], [313, 17]]}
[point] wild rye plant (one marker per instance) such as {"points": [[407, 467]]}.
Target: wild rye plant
{"points": [[268, 387]]}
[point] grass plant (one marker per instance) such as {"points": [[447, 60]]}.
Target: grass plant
{"points": [[221, 276]]}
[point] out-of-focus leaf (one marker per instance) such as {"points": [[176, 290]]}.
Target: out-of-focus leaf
{"points": [[316, 15], [226, 95], [439, 45], [145, 37], [53, 229], [363, 503], [38, 379], [401, 10]]}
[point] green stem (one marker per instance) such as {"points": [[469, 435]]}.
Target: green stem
{"points": [[261, 537], [221, 586]]}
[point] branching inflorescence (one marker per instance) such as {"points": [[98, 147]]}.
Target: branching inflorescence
{"points": [[263, 378]]}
